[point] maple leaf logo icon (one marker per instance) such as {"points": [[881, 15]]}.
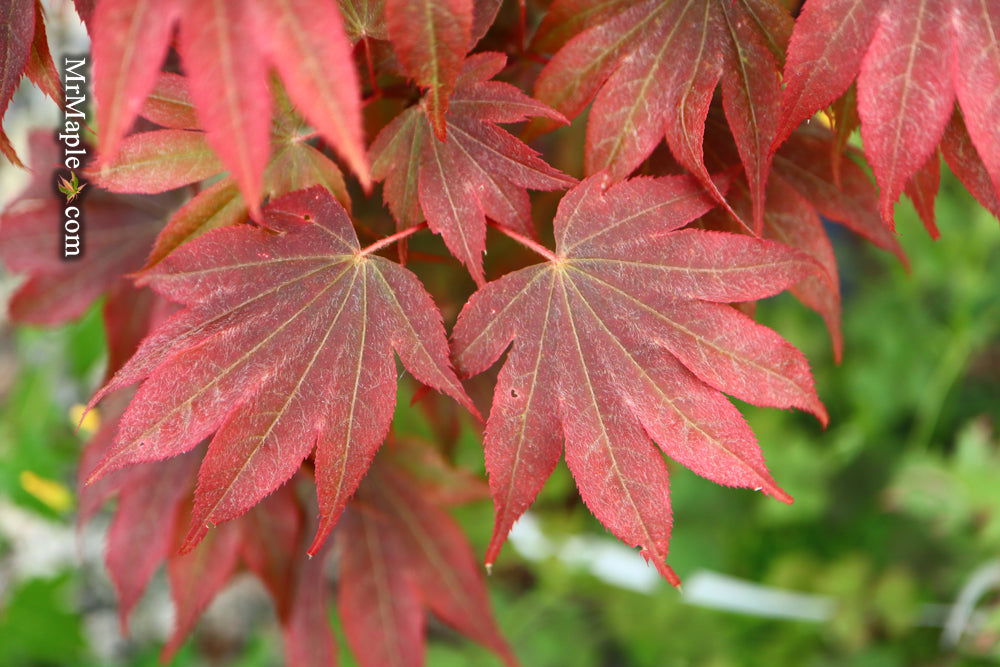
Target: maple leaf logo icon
{"points": [[71, 188]]}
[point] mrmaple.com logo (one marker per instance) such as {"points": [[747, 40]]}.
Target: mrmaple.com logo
{"points": [[74, 154]]}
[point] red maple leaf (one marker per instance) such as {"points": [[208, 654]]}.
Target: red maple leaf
{"points": [[802, 187], [479, 171], [623, 338], [25, 52], [912, 59], [161, 160], [401, 554], [232, 96], [652, 67], [285, 344], [117, 232]]}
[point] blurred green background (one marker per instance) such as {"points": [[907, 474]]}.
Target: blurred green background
{"points": [[896, 514]]}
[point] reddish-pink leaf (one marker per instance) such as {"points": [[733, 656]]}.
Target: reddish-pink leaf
{"points": [[306, 43], [484, 12], [750, 92], [623, 338], [905, 93], [197, 577], [140, 537], [218, 205], [977, 76], [85, 9], [654, 68], [804, 162], [395, 157], [922, 190], [130, 40], [479, 171], [649, 89], [40, 68], [117, 233], [286, 344], [157, 161], [8, 151], [792, 219], [231, 93], [129, 315], [170, 105], [431, 37], [271, 546], [377, 597], [440, 560], [964, 160], [293, 167], [824, 56], [309, 641], [17, 24]]}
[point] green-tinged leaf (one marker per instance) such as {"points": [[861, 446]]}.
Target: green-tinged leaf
{"points": [[157, 161]]}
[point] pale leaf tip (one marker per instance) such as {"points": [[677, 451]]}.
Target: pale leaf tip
{"points": [[666, 572], [778, 493]]}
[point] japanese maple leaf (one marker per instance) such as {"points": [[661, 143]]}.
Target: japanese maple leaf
{"points": [[267, 542], [802, 187], [431, 38], [24, 52], [400, 555], [652, 66], [912, 60], [479, 171], [623, 338], [227, 48], [285, 345], [961, 155], [149, 526], [180, 154], [117, 233]]}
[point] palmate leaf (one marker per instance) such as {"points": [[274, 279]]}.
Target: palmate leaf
{"points": [[285, 345], [227, 48], [802, 187], [117, 234], [293, 166], [912, 61], [622, 339], [652, 67], [431, 38], [24, 52], [150, 524], [401, 555], [181, 154], [479, 171]]}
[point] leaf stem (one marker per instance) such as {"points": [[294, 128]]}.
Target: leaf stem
{"points": [[389, 240], [525, 241], [370, 61], [305, 137], [522, 14]]}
